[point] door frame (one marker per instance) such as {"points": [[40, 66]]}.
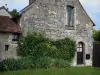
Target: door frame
{"points": [[83, 53]]}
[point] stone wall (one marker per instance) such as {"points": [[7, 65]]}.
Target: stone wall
{"points": [[50, 18], [6, 39]]}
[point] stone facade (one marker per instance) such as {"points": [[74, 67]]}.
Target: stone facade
{"points": [[8, 32], [50, 17], [6, 39]]}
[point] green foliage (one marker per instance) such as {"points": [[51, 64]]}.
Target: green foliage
{"points": [[15, 64], [26, 62], [43, 62], [11, 64], [96, 35], [62, 63], [14, 13], [37, 46], [66, 49], [34, 45], [47, 62], [56, 71], [44, 51]]}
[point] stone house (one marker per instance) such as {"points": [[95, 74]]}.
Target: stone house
{"points": [[58, 19], [9, 32]]}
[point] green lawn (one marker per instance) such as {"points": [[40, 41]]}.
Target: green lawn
{"points": [[55, 71]]}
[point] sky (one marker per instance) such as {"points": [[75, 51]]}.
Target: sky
{"points": [[92, 7]]}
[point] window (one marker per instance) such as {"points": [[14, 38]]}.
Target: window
{"points": [[15, 37], [70, 11], [6, 47], [80, 47]]}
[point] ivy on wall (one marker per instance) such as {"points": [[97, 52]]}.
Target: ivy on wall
{"points": [[36, 46]]}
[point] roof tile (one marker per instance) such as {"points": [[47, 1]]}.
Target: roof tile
{"points": [[7, 25]]}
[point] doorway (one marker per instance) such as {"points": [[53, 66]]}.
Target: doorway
{"points": [[80, 53]]}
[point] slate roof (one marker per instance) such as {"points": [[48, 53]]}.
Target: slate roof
{"points": [[7, 25]]}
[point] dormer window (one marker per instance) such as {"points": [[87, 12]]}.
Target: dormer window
{"points": [[15, 37], [70, 11]]}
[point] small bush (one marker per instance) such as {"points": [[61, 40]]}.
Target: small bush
{"points": [[47, 62], [26, 62], [43, 62], [16, 64], [11, 64], [62, 63]]}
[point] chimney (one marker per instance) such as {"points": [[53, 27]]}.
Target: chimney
{"points": [[6, 6], [31, 1]]}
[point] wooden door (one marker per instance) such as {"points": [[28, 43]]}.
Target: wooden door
{"points": [[80, 53]]}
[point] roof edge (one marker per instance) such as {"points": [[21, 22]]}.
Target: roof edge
{"points": [[78, 1], [87, 13], [6, 10], [27, 7]]}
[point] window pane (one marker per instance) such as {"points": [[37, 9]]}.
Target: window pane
{"points": [[78, 49], [81, 50], [70, 15], [15, 37]]}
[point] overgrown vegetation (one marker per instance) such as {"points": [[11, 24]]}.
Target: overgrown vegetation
{"points": [[15, 64], [14, 13], [47, 62], [41, 53], [36, 46], [96, 36]]}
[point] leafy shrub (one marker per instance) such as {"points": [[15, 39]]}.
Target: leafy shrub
{"points": [[33, 45], [47, 62], [62, 63], [37, 46], [65, 49], [96, 35], [15, 64], [42, 50], [26, 62], [43, 62], [11, 64]]}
